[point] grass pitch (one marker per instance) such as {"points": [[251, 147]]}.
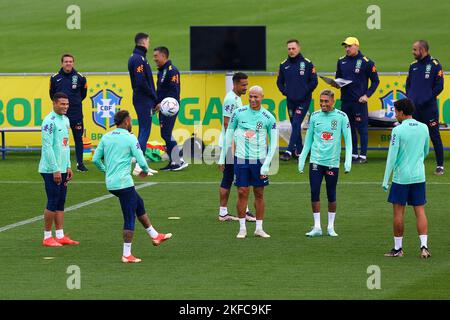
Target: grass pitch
{"points": [[204, 260], [34, 33]]}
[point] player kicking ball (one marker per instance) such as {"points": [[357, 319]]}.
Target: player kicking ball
{"points": [[117, 148], [323, 139], [407, 152]]}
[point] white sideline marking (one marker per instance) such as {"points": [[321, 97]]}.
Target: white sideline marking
{"points": [[71, 208], [218, 182]]}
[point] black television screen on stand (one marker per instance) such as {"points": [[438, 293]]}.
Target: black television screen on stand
{"points": [[228, 48]]}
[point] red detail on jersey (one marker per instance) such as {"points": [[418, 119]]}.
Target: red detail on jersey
{"points": [[65, 142], [249, 134], [374, 69], [298, 111], [327, 136], [329, 173], [140, 69], [433, 123]]}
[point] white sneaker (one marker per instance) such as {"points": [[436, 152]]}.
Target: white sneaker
{"points": [[150, 170], [137, 170], [261, 233], [242, 234]]}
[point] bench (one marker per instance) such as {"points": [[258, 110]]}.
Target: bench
{"points": [[4, 149]]}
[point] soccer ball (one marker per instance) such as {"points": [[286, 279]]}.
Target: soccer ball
{"points": [[169, 107]]}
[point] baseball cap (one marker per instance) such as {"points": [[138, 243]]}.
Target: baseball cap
{"points": [[350, 40]]}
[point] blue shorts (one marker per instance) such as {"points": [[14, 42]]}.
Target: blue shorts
{"points": [[412, 194], [228, 176], [247, 173], [131, 204], [316, 174], [56, 194]]}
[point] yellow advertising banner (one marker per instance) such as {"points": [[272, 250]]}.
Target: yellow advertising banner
{"points": [[24, 102]]}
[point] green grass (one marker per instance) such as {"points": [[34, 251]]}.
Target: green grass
{"points": [[204, 260], [34, 33]]}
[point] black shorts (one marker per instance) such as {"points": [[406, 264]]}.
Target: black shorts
{"points": [[316, 174]]}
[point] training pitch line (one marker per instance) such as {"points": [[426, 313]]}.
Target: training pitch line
{"points": [[71, 208], [140, 185]]}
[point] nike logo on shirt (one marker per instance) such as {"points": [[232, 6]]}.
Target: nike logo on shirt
{"points": [[57, 80], [286, 67]]}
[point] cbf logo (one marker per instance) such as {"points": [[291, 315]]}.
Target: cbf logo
{"points": [[333, 125], [259, 125], [387, 101], [105, 104], [427, 71], [302, 68], [358, 65], [74, 82]]}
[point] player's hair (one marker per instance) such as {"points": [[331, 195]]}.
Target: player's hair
{"points": [[406, 105], [423, 44], [67, 55], [59, 95], [257, 89], [163, 50], [139, 37], [327, 92], [238, 76], [293, 40], [120, 117]]}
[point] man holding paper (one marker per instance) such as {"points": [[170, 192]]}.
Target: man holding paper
{"points": [[359, 69]]}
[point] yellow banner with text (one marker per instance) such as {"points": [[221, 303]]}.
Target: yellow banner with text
{"points": [[24, 102]]}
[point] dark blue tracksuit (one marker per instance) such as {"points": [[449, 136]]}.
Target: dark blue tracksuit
{"points": [[297, 79], [168, 85], [74, 85], [424, 83], [359, 69], [144, 94]]}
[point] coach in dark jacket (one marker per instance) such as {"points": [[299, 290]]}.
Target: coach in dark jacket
{"points": [[168, 86], [144, 94], [356, 67], [424, 83], [297, 79], [74, 85]]}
